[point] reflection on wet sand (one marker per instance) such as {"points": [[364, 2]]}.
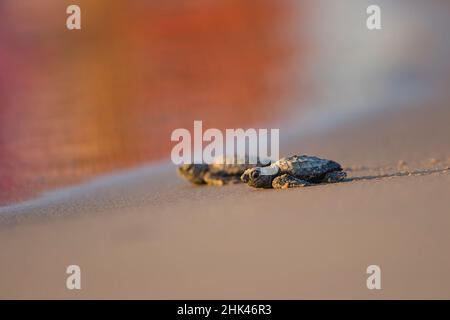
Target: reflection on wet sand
{"points": [[77, 103]]}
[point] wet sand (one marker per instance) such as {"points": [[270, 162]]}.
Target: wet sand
{"points": [[148, 234]]}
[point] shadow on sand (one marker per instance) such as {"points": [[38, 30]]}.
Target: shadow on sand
{"points": [[419, 172]]}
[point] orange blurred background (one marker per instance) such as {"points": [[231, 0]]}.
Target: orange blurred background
{"points": [[74, 104]]}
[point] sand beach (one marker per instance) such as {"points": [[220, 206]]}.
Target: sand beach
{"points": [[149, 234], [85, 171]]}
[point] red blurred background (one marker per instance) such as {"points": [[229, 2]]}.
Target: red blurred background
{"points": [[74, 104]]}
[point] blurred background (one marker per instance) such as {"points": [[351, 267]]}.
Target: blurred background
{"points": [[75, 104]]}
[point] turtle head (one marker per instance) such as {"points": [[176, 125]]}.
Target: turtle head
{"points": [[259, 177], [193, 172]]}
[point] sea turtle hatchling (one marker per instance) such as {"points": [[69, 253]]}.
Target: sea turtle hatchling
{"points": [[222, 171], [294, 171]]}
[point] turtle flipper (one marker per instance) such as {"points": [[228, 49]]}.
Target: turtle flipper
{"points": [[221, 178], [334, 176], [287, 181], [194, 173]]}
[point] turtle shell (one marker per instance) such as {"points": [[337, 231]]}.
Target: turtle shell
{"points": [[309, 168]]}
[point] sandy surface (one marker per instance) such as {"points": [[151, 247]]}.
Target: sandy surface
{"points": [[147, 234]]}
